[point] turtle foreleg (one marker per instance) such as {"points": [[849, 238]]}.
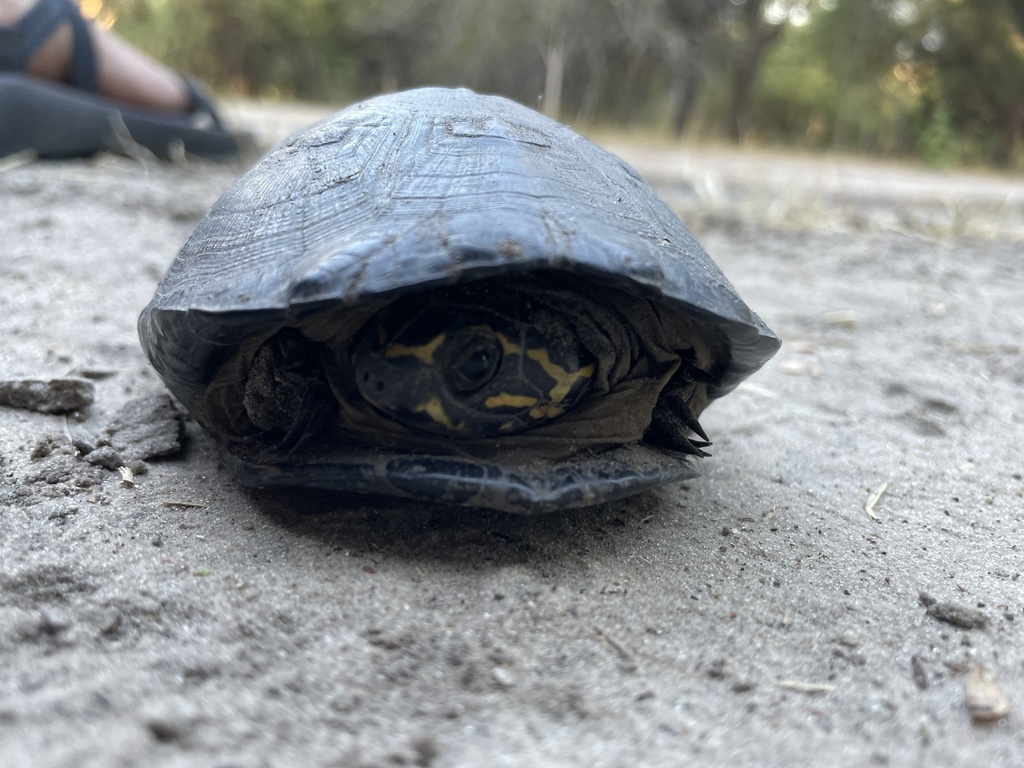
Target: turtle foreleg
{"points": [[286, 394]]}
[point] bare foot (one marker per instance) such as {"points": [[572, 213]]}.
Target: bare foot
{"points": [[125, 73]]}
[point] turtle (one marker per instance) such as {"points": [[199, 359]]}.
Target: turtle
{"points": [[447, 296]]}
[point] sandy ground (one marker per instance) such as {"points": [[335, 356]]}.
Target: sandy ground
{"points": [[756, 616]]}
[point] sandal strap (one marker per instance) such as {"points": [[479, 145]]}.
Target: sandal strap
{"points": [[19, 43], [201, 102], [83, 64]]}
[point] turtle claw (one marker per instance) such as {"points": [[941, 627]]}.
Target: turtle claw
{"points": [[677, 403], [658, 434], [692, 447], [692, 373], [673, 421]]}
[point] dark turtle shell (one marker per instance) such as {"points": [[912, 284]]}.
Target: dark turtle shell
{"points": [[412, 192]]}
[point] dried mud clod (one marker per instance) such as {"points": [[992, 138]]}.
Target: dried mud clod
{"points": [[146, 428], [59, 395], [962, 616], [57, 471], [958, 615]]}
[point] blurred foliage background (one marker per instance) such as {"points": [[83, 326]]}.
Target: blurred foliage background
{"points": [[942, 80]]}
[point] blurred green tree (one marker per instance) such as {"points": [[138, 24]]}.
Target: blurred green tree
{"points": [[940, 78], [971, 63]]}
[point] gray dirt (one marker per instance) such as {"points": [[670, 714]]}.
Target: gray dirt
{"points": [[765, 614]]}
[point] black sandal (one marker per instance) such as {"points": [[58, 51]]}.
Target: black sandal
{"points": [[55, 120]]}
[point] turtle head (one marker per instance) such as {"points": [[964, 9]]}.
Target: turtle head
{"points": [[462, 369]]}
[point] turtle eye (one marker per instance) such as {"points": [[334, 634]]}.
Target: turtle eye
{"points": [[474, 365]]}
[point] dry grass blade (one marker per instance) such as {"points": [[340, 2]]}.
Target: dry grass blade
{"points": [[802, 687], [873, 497]]}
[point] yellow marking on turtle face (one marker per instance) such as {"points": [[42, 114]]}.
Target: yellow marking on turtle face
{"points": [[546, 412], [424, 352], [563, 379], [507, 400], [382, 335], [508, 346], [435, 410]]}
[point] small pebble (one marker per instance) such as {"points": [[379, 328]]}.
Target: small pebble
{"points": [[171, 722], [918, 672], [105, 457], [113, 626], [53, 621], [503, 677], [43, 448], [985, 699], [82, 441], [958, 615]]}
